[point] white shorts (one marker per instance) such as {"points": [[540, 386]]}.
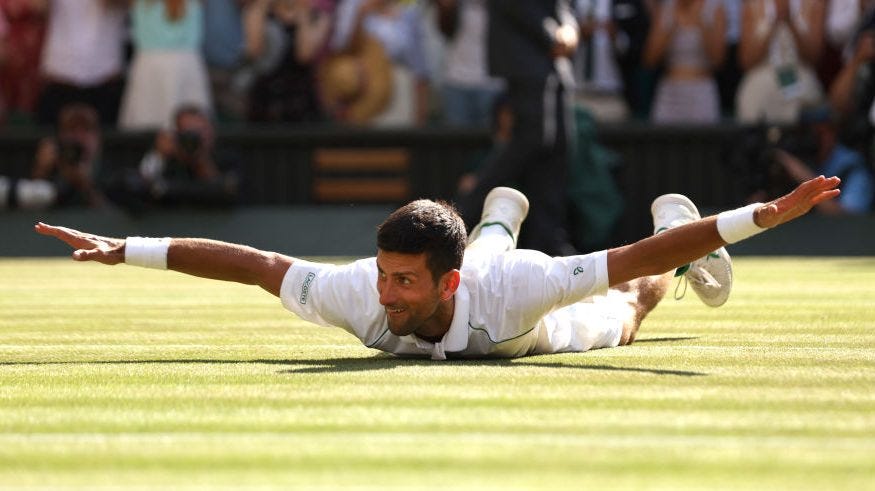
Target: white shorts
{"points": [[596, 322]]}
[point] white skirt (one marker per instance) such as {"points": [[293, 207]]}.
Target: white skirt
{"points": [[158, 83]]}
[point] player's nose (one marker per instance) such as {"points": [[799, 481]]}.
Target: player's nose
{"points": [[387, 295]]}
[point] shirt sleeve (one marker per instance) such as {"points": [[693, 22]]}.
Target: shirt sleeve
{"points": [[344, 296]]}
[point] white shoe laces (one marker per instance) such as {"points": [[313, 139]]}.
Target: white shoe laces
{"points": [[698, 276]]}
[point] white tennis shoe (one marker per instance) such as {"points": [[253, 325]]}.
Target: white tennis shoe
{"points": [[710, 276], [506, 207]]}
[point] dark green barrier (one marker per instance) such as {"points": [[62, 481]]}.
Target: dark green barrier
{"points": [[709, 164]]}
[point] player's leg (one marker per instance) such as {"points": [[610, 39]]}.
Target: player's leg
{"points": [[604, 321], [711, 276], [503, 213], [642, 295], [508, 167]]}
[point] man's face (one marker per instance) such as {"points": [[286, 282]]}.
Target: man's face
{"points": [[407, 291]]}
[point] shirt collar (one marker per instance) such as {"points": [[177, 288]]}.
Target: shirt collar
{"points": [[456, 337]]}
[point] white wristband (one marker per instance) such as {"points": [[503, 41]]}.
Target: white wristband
{"points": [[736, 225], [147, 252]]}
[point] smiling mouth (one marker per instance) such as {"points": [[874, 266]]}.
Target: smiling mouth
{"points": [[394, 311]]}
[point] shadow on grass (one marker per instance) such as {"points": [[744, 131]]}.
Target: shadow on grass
{"points": [[378, 362], [664, 340], [383, 362]]}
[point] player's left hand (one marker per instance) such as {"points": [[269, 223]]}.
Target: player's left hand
{"points": [[798, 202], [88, 247]]}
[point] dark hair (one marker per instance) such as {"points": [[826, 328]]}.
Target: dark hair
{"points": [[432, 227]]}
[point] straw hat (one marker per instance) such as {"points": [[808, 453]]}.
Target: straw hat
{"points": [[356, 84]]}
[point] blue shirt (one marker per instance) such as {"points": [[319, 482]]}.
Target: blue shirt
{"points": [[858, 186], [152, 30], [223, 33]]}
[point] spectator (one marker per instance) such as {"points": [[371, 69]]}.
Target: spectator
{"points": [[65, 167], [830, 62], [468, 93], [690, 38], [599, 82], [843, 22], [729, 74], [4, 31], [168, 69], [355, 86], [224, 52], [781, 42], [83, 58], [19, 73], [184, 167], [853, 89], [299, 30], [398, 27], [530, 44], [632, 21], [502, 130], [829, 157]]}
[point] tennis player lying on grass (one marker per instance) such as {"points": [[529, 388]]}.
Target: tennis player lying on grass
{"points": [[427, 294]]}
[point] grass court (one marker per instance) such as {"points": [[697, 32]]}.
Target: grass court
{"points": [[120, 377]]}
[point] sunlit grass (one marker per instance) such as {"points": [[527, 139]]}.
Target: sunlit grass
{"points": [[118, 377]]}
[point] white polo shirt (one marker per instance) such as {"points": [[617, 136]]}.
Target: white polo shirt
{"points": [[508, 305]]}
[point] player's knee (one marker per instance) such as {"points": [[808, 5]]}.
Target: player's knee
{"points": [[630, 329]]}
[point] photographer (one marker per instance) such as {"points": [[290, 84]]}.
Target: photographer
{"points": [[852, 93], [815, 149], [184, 167], [64, 167]]}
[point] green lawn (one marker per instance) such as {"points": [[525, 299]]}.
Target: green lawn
{"points": [[129, 378]]}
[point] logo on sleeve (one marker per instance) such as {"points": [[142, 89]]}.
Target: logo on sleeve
{"points": [[305, 287], [577, 271]]}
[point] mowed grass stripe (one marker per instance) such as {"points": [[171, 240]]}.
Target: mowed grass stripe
{"points": [[475, 463], [507, 460], [121, 377]]}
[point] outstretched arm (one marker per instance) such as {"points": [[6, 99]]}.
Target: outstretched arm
{"points": [[678, 246], [197, 257]]}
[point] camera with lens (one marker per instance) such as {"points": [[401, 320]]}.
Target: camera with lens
{"points": [[189, 142], [70, 152], [764, 169]]}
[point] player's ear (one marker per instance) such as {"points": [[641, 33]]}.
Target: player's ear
{"points": [[450, 283]]}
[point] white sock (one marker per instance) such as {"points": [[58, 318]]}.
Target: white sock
{"points": [[494, 238]]}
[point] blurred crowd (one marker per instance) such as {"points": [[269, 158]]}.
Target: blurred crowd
{"points": [[147, 64], [415, 62]]}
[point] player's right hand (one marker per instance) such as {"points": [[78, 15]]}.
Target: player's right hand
{"points": [[797, 202], [87, 247]]}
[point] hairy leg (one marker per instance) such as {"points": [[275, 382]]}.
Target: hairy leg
{"points": [[643, 295]]}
